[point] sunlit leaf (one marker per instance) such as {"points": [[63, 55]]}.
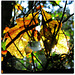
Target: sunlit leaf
{"points": [[59, 44], [3, 45], [26, 20], [38, 7], [2, 58], [21, 45], [57, 1], [4, 52], [18, 7], [61, 47], [6, 29], [46, 15], [22, 41]]}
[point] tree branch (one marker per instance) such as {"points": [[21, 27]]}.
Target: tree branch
{"points": [[67, 18], [15, 45], [25, 30], [61, 18], [38, 61]]}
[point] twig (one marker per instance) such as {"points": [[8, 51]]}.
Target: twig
{"points": [[55, 35], [67, 18], [23, 64], [25, 30], [56, 4], [38, 61], [61, 18]]}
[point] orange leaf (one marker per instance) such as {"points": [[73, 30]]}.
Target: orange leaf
{"points": [[1, 71], [2, 58], [35, 33], [22, 41], [46, 15], [39, 7], [6, 30], [18, 7], [4, 52], [27, 20], [30, 61]]}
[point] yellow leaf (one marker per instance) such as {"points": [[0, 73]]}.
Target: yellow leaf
{"points": [[21, 44], [22, 41], [46, 15], [41, 43], [2, 58], [18, 7], [59, 44], [68, 38], [26, 20], [61, 47]]}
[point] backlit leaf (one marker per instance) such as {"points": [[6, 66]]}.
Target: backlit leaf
{"points": [[22, 41], [26, 20], [61, 47], [18, 7], [3, 45], [59, 44]]}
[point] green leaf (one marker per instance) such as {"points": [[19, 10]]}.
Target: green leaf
{"points": [[57, 1], [22, 61], [3, 45], [53, 54], [67, 33], [72, 33]]}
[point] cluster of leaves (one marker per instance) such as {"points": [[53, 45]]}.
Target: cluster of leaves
{"points": [[37, 51]]}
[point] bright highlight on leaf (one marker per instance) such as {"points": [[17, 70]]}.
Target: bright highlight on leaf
{"points": [[59, 44], [57, 1], [46, 15], [2, 58], [28, 20], [6, 30], [40, 6], [61, 47], [18, 7], [22, 41]]}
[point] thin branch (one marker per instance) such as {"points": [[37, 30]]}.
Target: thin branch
{"points": [[67, 18], [55, 35], [25, 30], [61, 18], [38, 61], [57, 4], [23, 64], [15, 45]]}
